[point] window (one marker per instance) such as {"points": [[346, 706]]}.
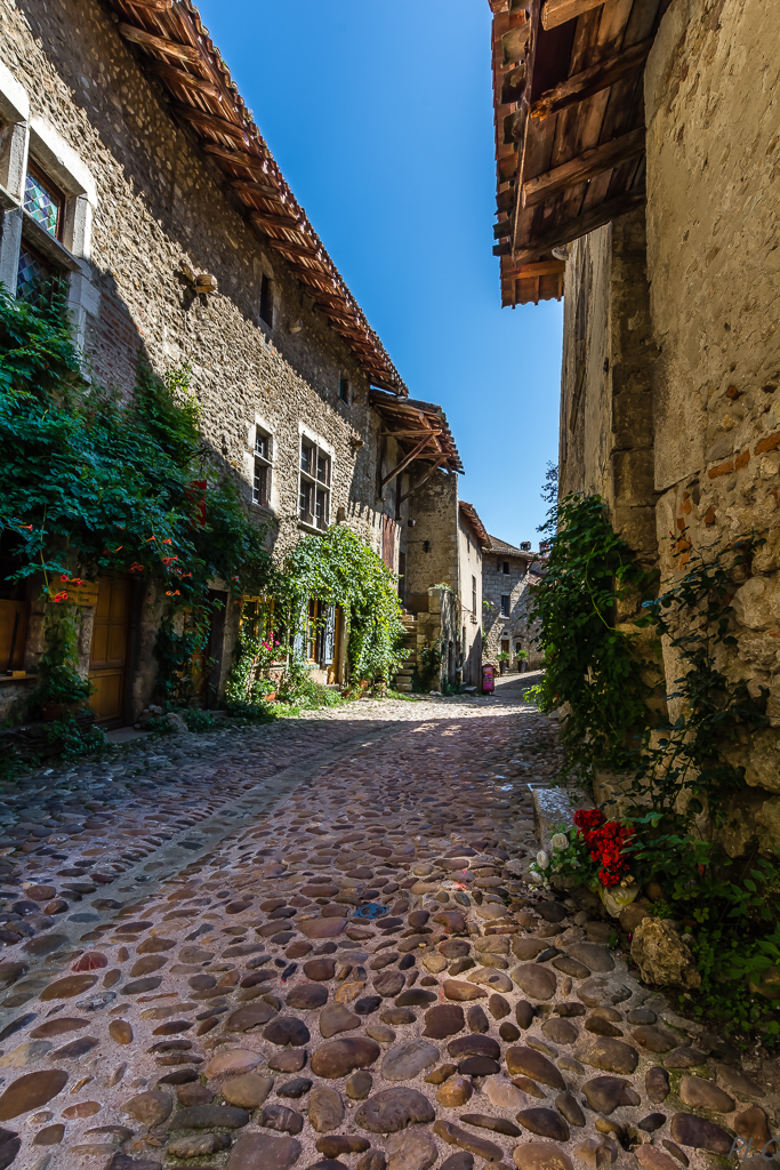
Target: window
{"points": [[505, 567], [314, 497], [261, 483], [473, 595], [36, 278], [505, 605], [44, 202], [46, 216], [267, 301], [344, 389]]}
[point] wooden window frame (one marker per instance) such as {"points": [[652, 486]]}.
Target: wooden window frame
{"points": [[506, 610], [314, 488], [263, 463]]}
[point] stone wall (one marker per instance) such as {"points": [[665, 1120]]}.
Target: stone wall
{"points": [[432, 541], [713, 151], [670, 406], [517, 628], [161, 209], [470, 597]]}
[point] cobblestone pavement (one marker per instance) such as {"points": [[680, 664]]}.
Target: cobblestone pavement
{"points": [[313, 947]]}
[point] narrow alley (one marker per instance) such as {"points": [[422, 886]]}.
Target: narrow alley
{"points": [[318, 949]]}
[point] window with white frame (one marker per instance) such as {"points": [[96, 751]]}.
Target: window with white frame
{"points": [[48, 197], [314, 494], [263, 468]]}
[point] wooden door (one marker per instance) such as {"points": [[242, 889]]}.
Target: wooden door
{"points": [[109, 650]]}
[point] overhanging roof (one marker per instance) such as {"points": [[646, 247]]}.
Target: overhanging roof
{"points": [[420, 429], [569, 127], [175, 48], [472, 517], [502, 548]]}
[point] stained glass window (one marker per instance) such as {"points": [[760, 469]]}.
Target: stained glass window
{"points": [[35, 279], [43, 202]]}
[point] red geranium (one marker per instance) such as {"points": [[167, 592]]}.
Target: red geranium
{"points": [[606, 842]]}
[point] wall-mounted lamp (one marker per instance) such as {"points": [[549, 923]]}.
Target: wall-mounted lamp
{"points": [[356, 442], [296, 326]]}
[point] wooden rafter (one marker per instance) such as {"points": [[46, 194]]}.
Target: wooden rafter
{"points": [[572, 229], [592, 80], [181, 78], [147, 40], [557, 12], [415, 487], [408, 459], [583, 166]]}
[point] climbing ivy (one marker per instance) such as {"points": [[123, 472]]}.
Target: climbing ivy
{"points": [[339, 569], [591, 666], [93, 484]]}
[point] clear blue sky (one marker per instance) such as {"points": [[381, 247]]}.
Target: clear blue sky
{"points": [[379, 113]]}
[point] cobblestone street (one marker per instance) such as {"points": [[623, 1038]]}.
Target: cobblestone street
{"points": [[309, 944]]}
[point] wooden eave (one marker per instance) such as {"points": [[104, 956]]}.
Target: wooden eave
{"points": [[420, 429], [176, 50], [471, 516], [569, 122]]}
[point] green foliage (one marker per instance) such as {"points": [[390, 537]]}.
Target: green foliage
{"points": [[715, 713], [427, 672], [591, 666], [338, 569], [248, 683], [94, 485], [59, 683], [199, 720], [74, 738]]}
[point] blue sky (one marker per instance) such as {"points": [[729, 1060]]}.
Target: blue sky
{"points": [[380, 116]]}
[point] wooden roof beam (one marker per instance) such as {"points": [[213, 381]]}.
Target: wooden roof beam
{"points": [[557, 12], [415, 487], [572, 229], [251, 163], [175, 76], [265, 219], [538, 268], [211, 122], [591, 81], [584, 166], [408, 459], [147, 40]]}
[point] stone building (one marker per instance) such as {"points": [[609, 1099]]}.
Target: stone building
{"points": [[441, 586], [637, 176], [508, 575], [130, 165]]}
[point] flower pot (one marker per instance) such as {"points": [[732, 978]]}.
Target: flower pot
{"points": [[615, 898]]}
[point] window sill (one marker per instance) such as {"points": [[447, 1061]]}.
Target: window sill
{"points": [[311, 528], [18, 676], [52, 249], [264, 510]]}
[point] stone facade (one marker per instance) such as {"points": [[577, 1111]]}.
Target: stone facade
{"points": [[442, 586], [671, 353], [508, 575], [147, 209]]}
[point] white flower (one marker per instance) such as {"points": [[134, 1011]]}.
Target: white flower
{"points": [[535, 878], [559, 841], [542, 860]]}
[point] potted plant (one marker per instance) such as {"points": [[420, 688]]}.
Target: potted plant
{"points": [[503, 658], [522, 660]]}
